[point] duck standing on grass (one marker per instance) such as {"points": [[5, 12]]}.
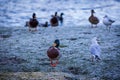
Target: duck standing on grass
{"points": [[95, 49], [108, 22], [92, 19], [53, 53], [33, 23]]}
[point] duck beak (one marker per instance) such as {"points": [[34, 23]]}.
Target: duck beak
{"points": [[54, 44]]}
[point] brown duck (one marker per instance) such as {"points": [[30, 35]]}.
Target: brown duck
{"points": [[54, 21], [53, 53], [32, 23], [92, 19]]}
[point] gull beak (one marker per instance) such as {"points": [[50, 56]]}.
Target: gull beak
{"points": [[98, 41]]}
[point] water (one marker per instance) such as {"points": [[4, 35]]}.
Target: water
{"points": [[16, 12]]}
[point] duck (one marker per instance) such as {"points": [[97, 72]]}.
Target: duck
{"points": [[56, 15], [107, 22], [61, 18], [54, 21], [53, 53], [93, 19], [95, 49], [33, 23], [45, 24]]}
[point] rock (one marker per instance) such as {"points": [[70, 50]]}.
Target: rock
{"points": [[35, 76]]}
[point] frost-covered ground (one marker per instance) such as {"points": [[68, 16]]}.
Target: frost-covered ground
{"points": [[24, 51]]}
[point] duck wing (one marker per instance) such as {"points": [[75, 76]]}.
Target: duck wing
{"points": [[94, 20], [33, 23], [53, 52]]}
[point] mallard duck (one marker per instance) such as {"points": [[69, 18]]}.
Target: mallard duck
{"points": [[61, 18], [33, 23], [95, 49], [54, 21], [92, 19], [108, 22], [53, 53]]}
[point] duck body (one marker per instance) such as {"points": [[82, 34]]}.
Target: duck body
{"points": [[54, 21], [93, 19], [33, 23], [53, 53]]}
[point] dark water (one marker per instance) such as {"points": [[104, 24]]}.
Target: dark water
{"points": [[17, 12]]}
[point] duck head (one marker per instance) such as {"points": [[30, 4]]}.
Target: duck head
{"points": [[34, 15], [92, 11], [62, 14], [56, 43]]}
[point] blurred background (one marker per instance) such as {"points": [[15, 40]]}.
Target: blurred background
{"points": [[17, 12]]}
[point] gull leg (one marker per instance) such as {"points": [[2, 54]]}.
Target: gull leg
{"points": [[109, 28], [92, 57]]}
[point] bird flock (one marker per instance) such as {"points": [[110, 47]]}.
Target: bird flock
{"points": [[58, 20], [54, 21], [53, 52]]}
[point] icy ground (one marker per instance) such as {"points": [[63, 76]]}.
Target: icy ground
{"points": [[25, 51]]}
